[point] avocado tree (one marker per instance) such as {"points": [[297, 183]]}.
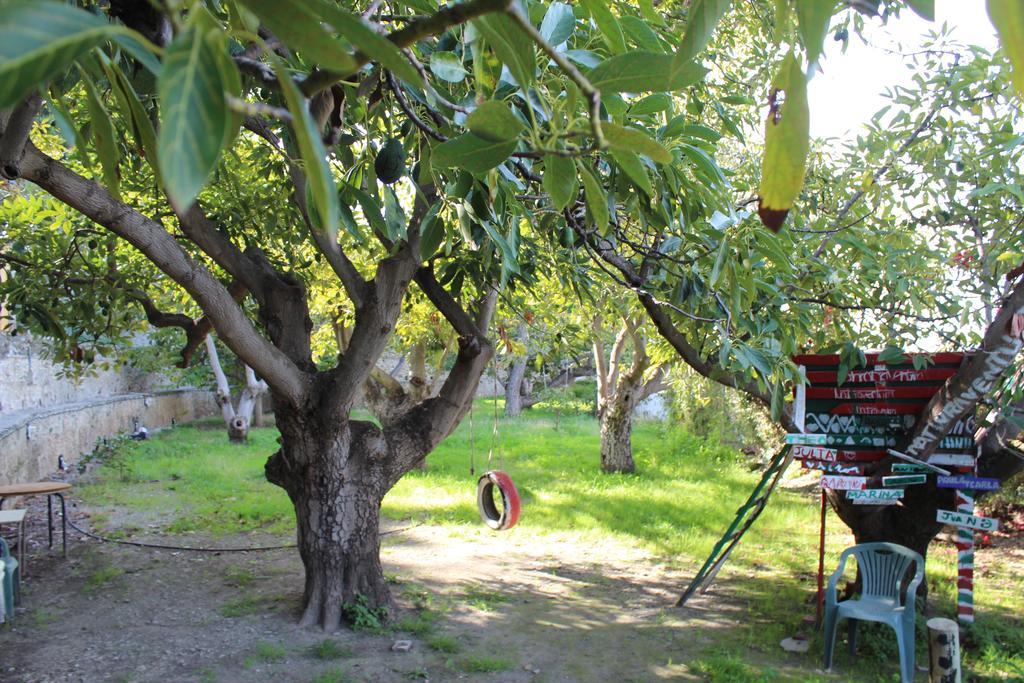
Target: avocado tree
{"points": [[244, 158]]}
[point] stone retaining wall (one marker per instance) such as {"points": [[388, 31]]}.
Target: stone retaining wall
{"points": [[32, 439]]}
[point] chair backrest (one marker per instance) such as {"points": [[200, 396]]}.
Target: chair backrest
{"points": [[4, 551], [883, 567]]}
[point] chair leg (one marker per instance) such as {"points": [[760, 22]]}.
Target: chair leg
{"points": [[905, 640], [851, 634], [829, 634]]}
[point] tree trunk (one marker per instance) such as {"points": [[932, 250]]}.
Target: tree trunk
{"points": [[516, 373], [616, 439], [335, 481]]}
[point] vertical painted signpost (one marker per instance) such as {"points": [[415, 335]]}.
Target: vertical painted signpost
{"points": [[856, 423], [965, 560]]}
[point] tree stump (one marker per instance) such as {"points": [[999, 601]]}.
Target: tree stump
{"points": [[943, 650]]}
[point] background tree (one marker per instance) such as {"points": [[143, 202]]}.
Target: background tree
{"points": [[621, 387]]}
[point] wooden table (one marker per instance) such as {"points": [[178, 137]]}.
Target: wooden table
{"points": [[16, 517], [48, 489]]}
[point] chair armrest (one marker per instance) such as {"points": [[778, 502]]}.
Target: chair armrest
{"points": [[830, 591], [915, 582]]}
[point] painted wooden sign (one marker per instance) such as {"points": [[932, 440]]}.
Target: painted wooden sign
{"points": [[875, 494], [908, 468], [869, 393], [843, 483], [807, 439], [882, 375], [904, 480], [967, 521], [860, 440], [828, 423], [970, 483], [877, 409], [872, 358], [836, 454], [875, 501], [832, 467], [952, 459]]}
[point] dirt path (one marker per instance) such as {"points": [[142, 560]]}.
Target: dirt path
{"points": [[500, 607]]}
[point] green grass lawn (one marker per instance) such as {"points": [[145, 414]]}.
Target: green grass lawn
{"points": [[684, 495]]}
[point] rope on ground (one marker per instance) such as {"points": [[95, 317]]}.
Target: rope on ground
{"points": [[160, 546]]}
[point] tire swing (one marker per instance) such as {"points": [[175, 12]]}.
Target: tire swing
{"points": [[508, 515]]}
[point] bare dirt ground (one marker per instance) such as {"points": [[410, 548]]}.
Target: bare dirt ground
{"points": [[557, 609]]}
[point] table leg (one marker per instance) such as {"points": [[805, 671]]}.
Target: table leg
{"points": [[63, 524], [49, 520]]}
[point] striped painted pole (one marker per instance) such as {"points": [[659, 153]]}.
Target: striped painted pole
{"points": [[965, 560]]}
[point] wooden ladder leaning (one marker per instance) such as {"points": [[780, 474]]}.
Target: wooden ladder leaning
{"points": [[746, 515]]}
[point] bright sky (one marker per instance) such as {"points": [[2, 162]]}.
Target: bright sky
{"points": [[847, 90]]}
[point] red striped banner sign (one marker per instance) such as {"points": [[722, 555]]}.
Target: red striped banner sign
{"points": [[877, 409], [870, 394], [872, 358], [882, 376]]}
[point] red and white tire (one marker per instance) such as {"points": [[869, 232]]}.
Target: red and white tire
{"points": [[509, 515]]}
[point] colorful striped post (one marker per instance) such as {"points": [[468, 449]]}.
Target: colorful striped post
{"points": [[965, 560]]}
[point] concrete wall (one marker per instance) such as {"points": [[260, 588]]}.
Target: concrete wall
{"points": [[31, 440], [44, 414], [28, 379]]}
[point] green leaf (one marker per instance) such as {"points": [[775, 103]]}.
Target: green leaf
{"points": [[512, 46], [472, 153], [597, 201], [634, 168], [559, 180], [643, 71], [558, 24], [195, 117], [651, 14], [448, 66], [652, 104], [39, 40], [786, 142], [372, 44], [813, 17], [300, 25], [632, 140], [701, 21], [1008, 18], [394, 216], [892, 355], [140, 49], [923, 8], [641, 34], [495, 122], [104, 137], [321, 185], [607, 24], [716, 270], [432, 232], [131, 106]]}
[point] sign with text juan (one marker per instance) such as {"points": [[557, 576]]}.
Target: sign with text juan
{"points": [[968, 521]]}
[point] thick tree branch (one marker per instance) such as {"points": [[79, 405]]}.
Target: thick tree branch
{"points": [[962, 391], [150, 238], [16, 130]]}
